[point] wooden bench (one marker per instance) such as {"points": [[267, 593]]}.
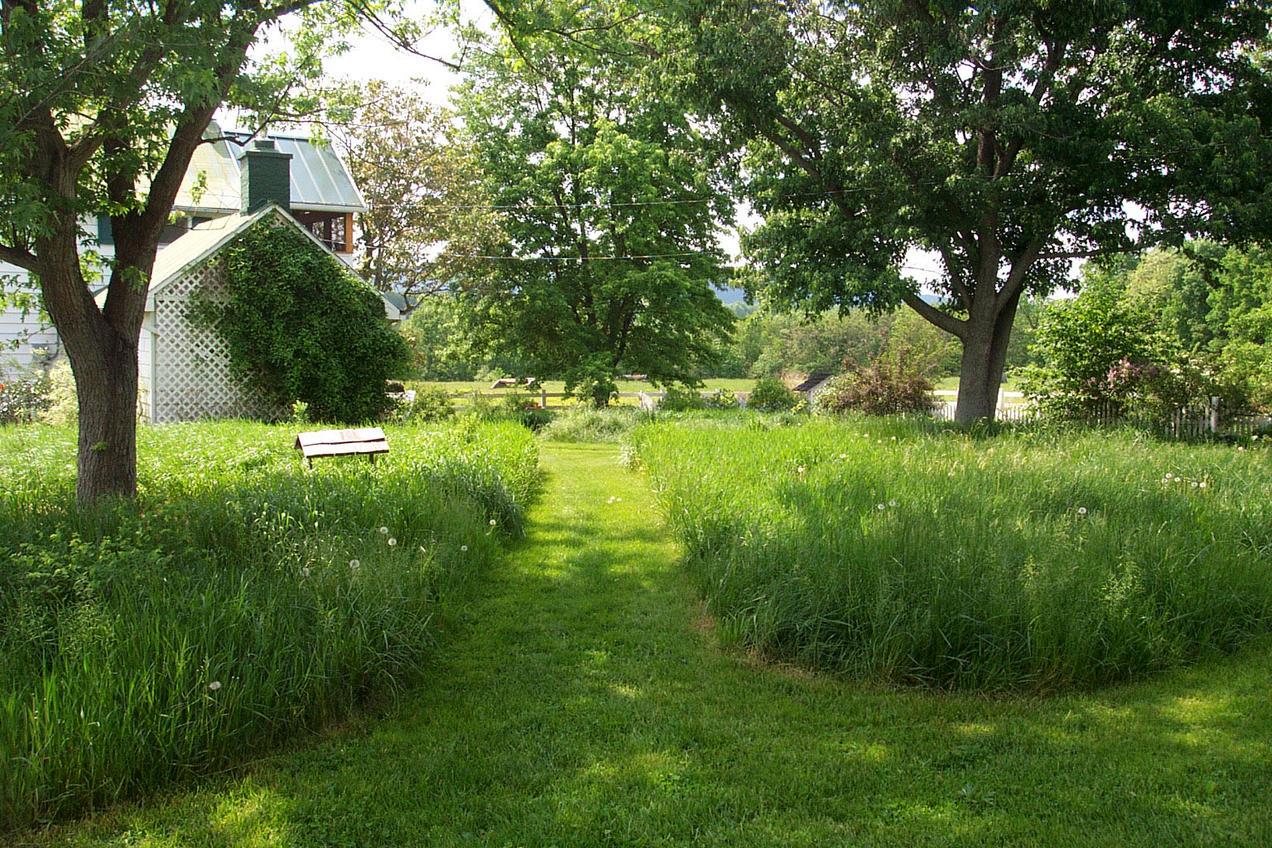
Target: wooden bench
{"points": [[368, 442]]}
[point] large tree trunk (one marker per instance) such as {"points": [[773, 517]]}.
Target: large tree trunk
{"points": [[106, 387], [984, 359]]}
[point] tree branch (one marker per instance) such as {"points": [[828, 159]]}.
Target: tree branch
{"points": [[943, 320], [21, 257]]}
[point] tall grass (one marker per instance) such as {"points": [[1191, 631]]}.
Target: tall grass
{"points": [[889, 551], [241, 598]]}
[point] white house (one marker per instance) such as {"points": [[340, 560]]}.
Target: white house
{"points": [[321, 196]]}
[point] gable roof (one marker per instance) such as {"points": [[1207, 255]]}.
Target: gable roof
{"points": [[200, 242]]}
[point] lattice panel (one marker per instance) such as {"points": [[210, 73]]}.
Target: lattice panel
{"points": [[192, 362]]}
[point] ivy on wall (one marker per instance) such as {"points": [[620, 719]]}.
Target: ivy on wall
{"points": [[301, 327]]}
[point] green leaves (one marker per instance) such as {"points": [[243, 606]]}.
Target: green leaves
{"points": [[608, 213], [302, 328]]}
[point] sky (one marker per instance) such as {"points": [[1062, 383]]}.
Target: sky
{"points": [[372, 56]]}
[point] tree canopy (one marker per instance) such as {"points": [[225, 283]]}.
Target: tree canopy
{"points": [[607, 250], [426, 208], [1009, 138]]}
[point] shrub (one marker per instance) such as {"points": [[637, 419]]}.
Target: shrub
{"points": [[771, 395], [300, 326], [587, 424], [721, 399], [24, 399], [432, 403], [680, 398], [239, 599], [887, 386], [903, 552]]}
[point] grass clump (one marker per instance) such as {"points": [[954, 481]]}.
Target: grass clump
{"points": [[893, 551], [239, 599], [591, 425]]}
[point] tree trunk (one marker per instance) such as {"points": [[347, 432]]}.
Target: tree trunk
{"points": [[106, 388], [984, 359], [104, 361]]}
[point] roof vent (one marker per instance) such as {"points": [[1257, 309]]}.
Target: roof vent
{"points": [[266, 176]]}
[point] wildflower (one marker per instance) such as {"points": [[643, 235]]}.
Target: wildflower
{"points": [[354, 565], [384, 531], [881, 507], [1082, 510], [1194, 484], [214, 685], [892, 503], [392, 541], [463, 548], [800, 470], [1201, 485], [493, 522], [1169, 475]]}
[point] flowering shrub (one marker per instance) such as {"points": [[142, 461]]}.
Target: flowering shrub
{"points": [[24, 399]]}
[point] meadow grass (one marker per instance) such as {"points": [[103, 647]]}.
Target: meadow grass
{"points": [[904, 553], [239, 599], [582, 698]]}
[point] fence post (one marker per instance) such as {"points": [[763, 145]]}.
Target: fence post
{"points": [[1214, 416], [543, 398]]}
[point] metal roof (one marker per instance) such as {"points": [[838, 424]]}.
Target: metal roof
{"points": [[320, 182]]}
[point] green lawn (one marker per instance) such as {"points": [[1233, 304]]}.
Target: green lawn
{"points": [[951, 384], [581, 699]]}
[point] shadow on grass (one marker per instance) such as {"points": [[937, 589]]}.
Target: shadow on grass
{"points": [[575, 703]]}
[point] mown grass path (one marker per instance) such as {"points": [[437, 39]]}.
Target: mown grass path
{"points": [[581, 700]]}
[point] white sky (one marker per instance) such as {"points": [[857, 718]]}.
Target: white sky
{"points": [[373, 57]]}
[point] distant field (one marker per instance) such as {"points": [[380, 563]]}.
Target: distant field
{"points": [[461, 388], [951, 384]]}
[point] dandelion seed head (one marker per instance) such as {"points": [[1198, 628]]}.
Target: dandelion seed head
{"points": [[354, 564], [1082, 510], [392, 541], [463, 548], [881, 506], [214, 685], [493, 522], [384, 531]]}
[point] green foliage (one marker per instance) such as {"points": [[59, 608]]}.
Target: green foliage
{"points": [[301, 327], [584, 649], [610, 217], [769, 343], [404, 153], [905, 553], [432, 403], [1083, 345], [589, 424], [25, 398], [771, 395], [891, 385], [866, 130], [241, 599], [63, 405]]}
